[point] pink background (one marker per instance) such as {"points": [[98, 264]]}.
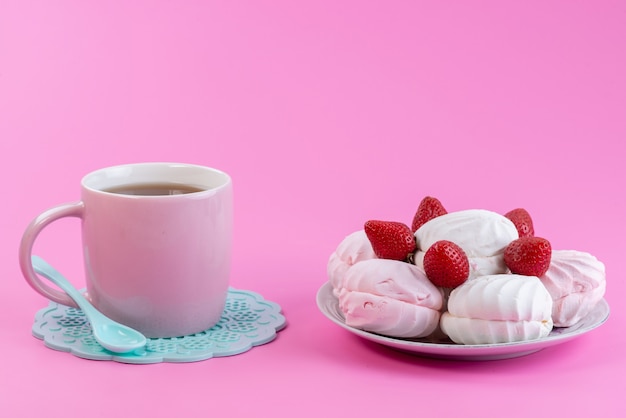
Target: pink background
{"points": [[326, 114]]}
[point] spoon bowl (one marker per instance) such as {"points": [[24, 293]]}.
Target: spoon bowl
{"points": [[111, 335]]}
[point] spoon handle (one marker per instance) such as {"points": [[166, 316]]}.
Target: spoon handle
{"points": [[42, 267]]}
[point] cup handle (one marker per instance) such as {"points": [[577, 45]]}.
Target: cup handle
{"points": [[74, 209]]}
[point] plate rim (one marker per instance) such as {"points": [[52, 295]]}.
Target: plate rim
{"points": [[460, 351]]}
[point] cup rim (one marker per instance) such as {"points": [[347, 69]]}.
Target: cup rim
{"points": [[114, 176]]}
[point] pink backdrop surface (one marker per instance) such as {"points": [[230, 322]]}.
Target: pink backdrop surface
{"points": [[325, 114]]}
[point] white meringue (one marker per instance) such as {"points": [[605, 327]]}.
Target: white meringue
{"points": [[483, 235], [498, 309], [354, 248], [389, 297], [576, 281], [492, 332]]}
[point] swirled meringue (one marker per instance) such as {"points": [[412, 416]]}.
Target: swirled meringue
{"points": [[498, 309], [352, 249], [576, 282], [389, 297], [482, 234]]}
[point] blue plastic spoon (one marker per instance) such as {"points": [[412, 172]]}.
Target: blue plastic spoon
{"points": [[110, 334]]}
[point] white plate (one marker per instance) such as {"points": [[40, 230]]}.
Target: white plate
{"points": [[329, 305]]}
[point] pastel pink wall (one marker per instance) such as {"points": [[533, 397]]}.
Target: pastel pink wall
{"points": [[326, 114]]}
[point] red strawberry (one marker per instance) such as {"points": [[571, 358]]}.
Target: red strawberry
{"points": [[446, 264], [429, 208], [529, 256], [522, 221], [390, 240]]}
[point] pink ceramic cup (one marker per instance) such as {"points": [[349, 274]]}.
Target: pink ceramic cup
{"points": [[157, 263]]}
